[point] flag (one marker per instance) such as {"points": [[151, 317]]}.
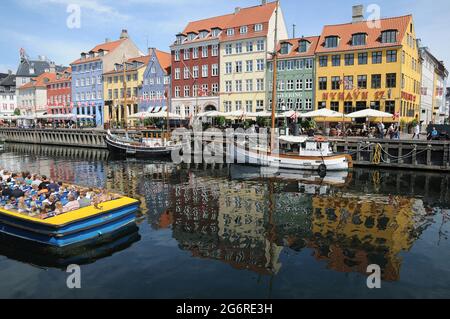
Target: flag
{"points": [[294, 116], [396, 116]]}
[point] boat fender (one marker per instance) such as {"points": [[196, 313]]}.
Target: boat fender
{"points": [[322, 169]]}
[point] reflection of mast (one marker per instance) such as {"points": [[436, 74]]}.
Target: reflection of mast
{"points": [[125, 97], [274, 80]]}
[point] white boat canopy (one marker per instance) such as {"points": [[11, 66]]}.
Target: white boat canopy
{"points": [[322, 113], [368, 113], [293, 139]]}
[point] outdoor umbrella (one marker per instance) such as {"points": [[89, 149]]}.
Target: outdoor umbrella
{"points": [[369, 113], [322, 113]]}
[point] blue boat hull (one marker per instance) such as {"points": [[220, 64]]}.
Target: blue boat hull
{"points": [[73, 233]]}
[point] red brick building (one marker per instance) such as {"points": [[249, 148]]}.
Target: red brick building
{"points": [[195, 66], [59, 92]]}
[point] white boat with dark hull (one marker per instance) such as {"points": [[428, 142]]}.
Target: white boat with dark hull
{"points": [[296, 153], [149, 147]]}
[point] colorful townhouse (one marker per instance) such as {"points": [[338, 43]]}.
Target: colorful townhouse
{"points": [[155, 93], [119, 107], [8, 98], [195, 66], [59, 93], [245, 45], [295, 75], [32, 97], [362, 65], [88, 70], [434, 76]]}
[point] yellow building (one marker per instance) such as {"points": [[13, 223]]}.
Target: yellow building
{"points": [[367, 64], [244, 48], [114, 89]]}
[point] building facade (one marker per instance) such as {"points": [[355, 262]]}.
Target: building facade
{"points": [[59, 93], [116, 103], [245, 45], [87, 74], [360, 67], [195, 67], [32, 97], [8, 98], [155, 91], [295, 75]]}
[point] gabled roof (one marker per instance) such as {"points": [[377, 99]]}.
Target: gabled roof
{"points": [[41, 81], [253, 15], [208, 24], [293, 53], [345, 32], [9, 80], [38, 67], [165, 60], [107, 46], [142, 59]]}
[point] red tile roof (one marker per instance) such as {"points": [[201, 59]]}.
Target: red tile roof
{"points": [[143, 59], [345, 32], [40, 81], [294, 53], [208, 24], [165, 60], [253, 15], [107, 46]]}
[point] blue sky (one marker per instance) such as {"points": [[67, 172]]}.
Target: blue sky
{"points": [[40, 27]]}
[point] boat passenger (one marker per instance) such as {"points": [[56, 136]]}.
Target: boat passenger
{"points": [[83, 200], [45, 182], [17, 192], [28, 180], [72, 204]]}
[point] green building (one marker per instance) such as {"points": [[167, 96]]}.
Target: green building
{"points": [[296, 74]]}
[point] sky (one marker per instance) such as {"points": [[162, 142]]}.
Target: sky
{"points": [[40, 26]]}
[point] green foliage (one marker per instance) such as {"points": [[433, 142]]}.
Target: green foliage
{"points": [[17, 112], [221, 121], [309, 124]]}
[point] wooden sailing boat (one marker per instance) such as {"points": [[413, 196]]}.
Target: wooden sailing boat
{"points": [[296, 152]]}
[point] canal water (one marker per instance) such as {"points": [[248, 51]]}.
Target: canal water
{"points": [[236, 232]]}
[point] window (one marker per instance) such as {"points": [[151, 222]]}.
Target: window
{"points": [[389, 36], [215, 88], [187, 91], [205, 71], [335, 82], [186, 73], [331, 42], [204, 51], [243, 29], [260, 84], [391, 56], [285, 48], [260, 65], [375, 105], [258, 27], [349, 59], [290, 85], [195, 72], [348, 82], [362, 81], [308, 104], [248, 106], [308, 84], [376, 81], [336, 60], [323, 83], [303, 46], [228, 49], [238, 67], [250, 46], [299, 84], [177, 91], [187, 54], [228, 87], [259, 105], [215, 70], [390, 107], [362, 58], [249, 66], [238, 105], [238, 48], [249, 85], [348, 107], [227, 106], [334, 106], [260, 46], [195, 90], [238, 86], [230, 32], [298, 104], [361, 105], [359, 39], [323, 61], [309, 64], [228, 68], [195, 53], [377, 57], [215, 50], [391, 80]]}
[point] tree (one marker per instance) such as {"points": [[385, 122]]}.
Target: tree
{"points": [[16, 112]]}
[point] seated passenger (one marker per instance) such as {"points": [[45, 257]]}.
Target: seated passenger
{"points": [[72, 204], [83, 200]]}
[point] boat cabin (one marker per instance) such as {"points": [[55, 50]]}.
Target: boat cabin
{"points": [[306, 146]]}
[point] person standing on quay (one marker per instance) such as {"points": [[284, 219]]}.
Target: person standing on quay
{"points": [[416, 131]]}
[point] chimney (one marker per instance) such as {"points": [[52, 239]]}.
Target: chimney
{"points": [[107, 40], [237, 10], [150, 51], [52, 67], [124, 34], [358, 13], [263, 2]]}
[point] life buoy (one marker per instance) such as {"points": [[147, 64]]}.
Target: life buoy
{"points": [[319, 139], [322, 170]]}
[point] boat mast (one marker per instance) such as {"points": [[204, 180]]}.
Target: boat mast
{"points": [[125, 98], [274, 80]]}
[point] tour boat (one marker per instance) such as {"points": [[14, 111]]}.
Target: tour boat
{"points": [[149, 146], [73, 227], [312, 154]]}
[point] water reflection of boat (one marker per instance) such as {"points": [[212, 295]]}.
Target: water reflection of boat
{"points": [[44, 256]]}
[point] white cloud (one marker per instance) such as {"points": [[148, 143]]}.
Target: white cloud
{"points": [[4, 68]]}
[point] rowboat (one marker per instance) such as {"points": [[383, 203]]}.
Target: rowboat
{"points": [[73, 227]]}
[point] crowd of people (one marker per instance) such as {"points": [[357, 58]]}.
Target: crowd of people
{"points": [[39, 197]]}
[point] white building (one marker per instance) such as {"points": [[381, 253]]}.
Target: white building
{"points": [[8, 99], [32, 97]]}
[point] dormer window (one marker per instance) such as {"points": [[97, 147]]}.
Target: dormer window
{"points": [[243, 29], [258, 27], [230, 32], [359, 39], [203, 34], [191, 36], [331, 42], [180, 38], [303, 46], [389, 36], [83, 56], [215, 32], [285, 48]]}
